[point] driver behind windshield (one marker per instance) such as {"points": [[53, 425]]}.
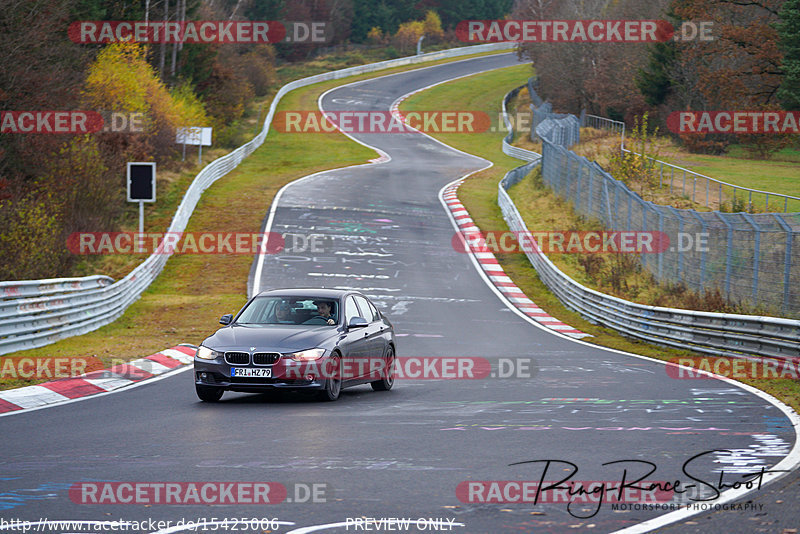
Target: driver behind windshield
{"points": [[324, 311]]}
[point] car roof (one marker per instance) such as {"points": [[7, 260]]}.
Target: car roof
{"points": [[306, 292]]}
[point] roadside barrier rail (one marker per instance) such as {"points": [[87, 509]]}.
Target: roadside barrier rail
{"points": [[35, 313]]}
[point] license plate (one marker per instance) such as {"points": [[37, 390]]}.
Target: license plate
{"points": [[257, 373]]}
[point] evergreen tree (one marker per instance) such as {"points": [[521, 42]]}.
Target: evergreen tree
{"points": [[789, 39], [654, 81]]}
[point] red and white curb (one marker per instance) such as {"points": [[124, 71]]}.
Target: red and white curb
{"points": [[103, 381], [497, 275]]}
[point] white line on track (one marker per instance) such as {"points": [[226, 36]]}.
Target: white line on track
{"points": [[384, 158]]}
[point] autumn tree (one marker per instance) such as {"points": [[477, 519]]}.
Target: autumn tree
{"points": [[375, 35], [598, 77], [408, 34], [432, 26], [740, 69]]}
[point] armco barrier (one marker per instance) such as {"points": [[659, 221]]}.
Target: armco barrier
{"points": [[508, 148], [719, 334], [41, 317]]}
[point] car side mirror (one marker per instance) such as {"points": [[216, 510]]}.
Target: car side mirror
{"points": [[357, 322], [226, 319]]}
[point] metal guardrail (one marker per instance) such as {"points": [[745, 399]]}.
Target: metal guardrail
{"points": [[719, 334], [602, 123], [29, 288], [46, 314], [508, 148]]}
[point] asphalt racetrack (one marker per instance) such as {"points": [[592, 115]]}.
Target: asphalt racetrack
{"points": [[408, 453]]}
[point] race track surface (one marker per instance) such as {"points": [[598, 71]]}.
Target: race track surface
{"points": [[403, 453]]}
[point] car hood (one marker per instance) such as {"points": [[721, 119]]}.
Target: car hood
{"points": [[269, 338]]}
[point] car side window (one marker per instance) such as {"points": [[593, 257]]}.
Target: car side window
{"points": [[375, 313], [366, 311], [350, 310]]}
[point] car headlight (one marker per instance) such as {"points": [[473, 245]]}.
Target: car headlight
{"points": [[205, 353], [307, 355]]}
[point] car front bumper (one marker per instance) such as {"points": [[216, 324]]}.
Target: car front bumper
{"points": [[286, 374]]}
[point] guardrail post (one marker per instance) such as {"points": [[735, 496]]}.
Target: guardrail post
{"points": [[671, 178], [683, 188]]}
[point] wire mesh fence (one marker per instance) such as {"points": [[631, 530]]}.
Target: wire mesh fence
{"points": [[753, 258]]}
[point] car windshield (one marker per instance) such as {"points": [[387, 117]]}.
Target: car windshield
{"points": [[290, 311]]}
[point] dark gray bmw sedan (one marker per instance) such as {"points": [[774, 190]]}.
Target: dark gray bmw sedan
{"points": [[310, 339]]}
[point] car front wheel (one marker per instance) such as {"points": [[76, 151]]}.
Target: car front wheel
{"points": [[333, 384]]}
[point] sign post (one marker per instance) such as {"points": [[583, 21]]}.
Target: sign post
{"points": [[194, 135], [141, 183]]}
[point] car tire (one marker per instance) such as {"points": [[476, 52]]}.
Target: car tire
{"points": [[208, 393], [333, 385], [386, 383]]}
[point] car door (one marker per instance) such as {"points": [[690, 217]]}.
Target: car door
{"points": [[355, 364], [373, 333]]}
